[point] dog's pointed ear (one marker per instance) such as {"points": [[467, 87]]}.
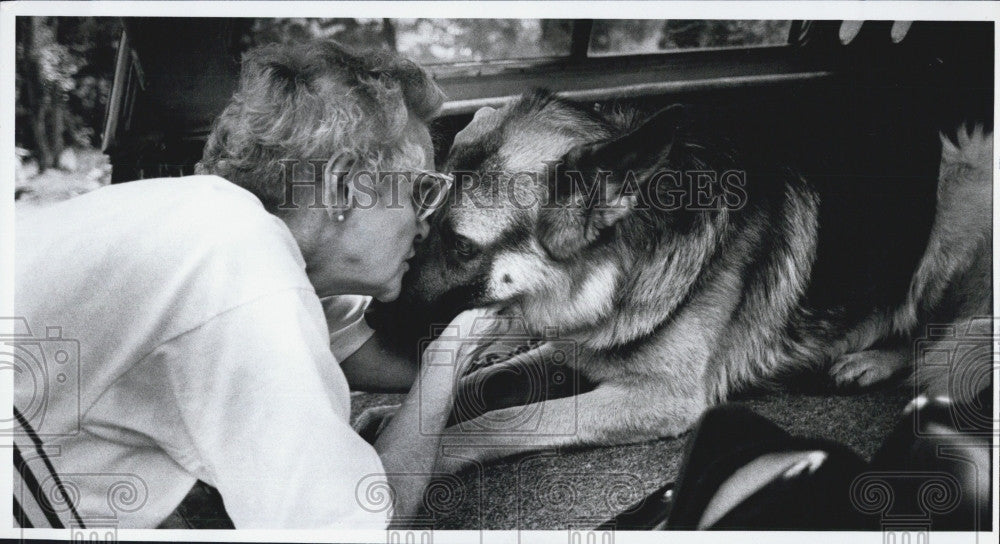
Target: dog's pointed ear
{"points": [[640, 151], [596, 184]]}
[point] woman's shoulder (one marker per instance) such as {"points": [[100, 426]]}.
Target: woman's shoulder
{"points": [[200, 200], [231, 224], [190, 222], [223, 205], [206, 196], [199, 209]]}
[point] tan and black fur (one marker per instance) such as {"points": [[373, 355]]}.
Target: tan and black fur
{"points": [[672, 310]]}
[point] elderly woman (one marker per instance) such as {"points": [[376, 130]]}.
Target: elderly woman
{"points": [[205, 350]]}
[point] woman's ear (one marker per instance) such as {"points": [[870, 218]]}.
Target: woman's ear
{"points": [[595, 184], [339, 181]]}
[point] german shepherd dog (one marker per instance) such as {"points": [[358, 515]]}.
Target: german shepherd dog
{"points": [[676, 293]]}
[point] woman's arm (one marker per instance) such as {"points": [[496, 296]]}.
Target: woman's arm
{"points": [[377, 368], [261, 420], [410, 444], [368, 361]]}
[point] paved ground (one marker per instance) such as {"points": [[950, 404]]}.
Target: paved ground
{"points": [[576, 489]]}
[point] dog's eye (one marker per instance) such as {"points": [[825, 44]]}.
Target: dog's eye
{"points": [[465, 248]]}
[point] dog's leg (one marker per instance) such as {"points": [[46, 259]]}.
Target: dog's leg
{"points": [[612, 413], [954, 273], [868, 367], [525, 378]]}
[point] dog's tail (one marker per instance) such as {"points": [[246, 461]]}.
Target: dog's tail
{"points": [[952, 287]]}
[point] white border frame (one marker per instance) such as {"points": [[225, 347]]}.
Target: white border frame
{"points": [[835, 10]]}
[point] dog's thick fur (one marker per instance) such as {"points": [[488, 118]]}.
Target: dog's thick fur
{"points": [[674, 309]]}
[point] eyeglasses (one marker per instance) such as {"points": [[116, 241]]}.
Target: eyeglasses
{"points": [[430, 191]]}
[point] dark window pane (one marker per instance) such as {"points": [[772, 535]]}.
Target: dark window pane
{"points": [[623, 37]]}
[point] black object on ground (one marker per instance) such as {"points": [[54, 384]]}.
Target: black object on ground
{"points": [[932, 472]]}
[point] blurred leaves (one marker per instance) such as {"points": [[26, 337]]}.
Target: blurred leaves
{"points": [[433, 41], [429, 41], [365, 33], [476, 40], [617, 37], [62, 82]]}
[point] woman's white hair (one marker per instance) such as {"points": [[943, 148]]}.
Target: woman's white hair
{"points": [[311, 101]]}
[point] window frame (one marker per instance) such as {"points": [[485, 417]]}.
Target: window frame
{"points": [[812, 53], [577, 76]]}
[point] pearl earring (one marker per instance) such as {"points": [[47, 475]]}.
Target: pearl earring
{"points": [[340, 217]]}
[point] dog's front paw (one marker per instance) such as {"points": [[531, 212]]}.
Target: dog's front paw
{"points": [[373, 420], [865, 368]]}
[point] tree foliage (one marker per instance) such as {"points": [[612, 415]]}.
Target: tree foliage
{"points": [[429, 41], [433, 41], [63, 78], [650, 36]]}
